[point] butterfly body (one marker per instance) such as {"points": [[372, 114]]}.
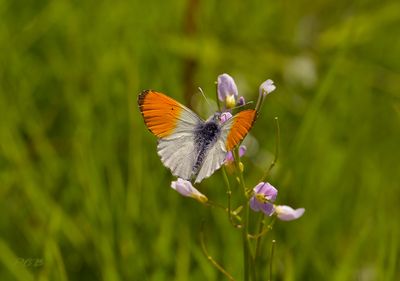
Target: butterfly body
{"points": [[205, 136], [189, 146]]}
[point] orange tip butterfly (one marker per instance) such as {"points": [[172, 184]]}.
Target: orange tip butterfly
{"points": [[189, 146]]}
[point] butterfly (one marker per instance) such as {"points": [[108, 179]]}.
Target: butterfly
{"points": [[189, 146]]}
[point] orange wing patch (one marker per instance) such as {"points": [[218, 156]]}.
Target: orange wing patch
{"points": [[242, 123], [160, 113]]}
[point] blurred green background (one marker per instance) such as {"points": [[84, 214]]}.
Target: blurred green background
{"points": [[83, 194]]}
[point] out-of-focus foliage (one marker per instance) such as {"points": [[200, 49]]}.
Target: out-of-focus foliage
{"points": [[83, 194]]}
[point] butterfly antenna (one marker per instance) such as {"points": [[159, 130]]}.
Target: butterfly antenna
{"points": [[249, 102], [204, 96]]}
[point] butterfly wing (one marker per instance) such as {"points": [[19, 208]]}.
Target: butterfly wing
{"points": [[213, 160], [174, 125], [233, 131], [236, 128], [165, 116]]}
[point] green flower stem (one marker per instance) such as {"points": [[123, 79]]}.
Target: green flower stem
{"points": [[248, 260], [277, 141], [217, 99], [245, 255], [210, 258], [262, 231], [233, 213], [215, 204], [229, 192], [271, 259], [260, 102]]}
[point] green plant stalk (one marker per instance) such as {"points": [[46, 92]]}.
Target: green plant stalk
{"points": [[245, 255], [277, 141], [210, 258], [259, 236], [216, 95], [229, 192], [271, 259], [248, 260]]}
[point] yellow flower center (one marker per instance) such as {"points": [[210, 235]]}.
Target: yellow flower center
{"points": [[230, 101], [261, 198]]}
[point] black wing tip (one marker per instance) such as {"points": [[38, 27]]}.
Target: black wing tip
{"points": [[142, 95]]}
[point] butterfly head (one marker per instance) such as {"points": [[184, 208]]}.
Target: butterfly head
{"points": [[219, 118]]}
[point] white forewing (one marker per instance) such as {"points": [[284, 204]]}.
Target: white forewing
{"points": [[177, 151], [187, 121]]}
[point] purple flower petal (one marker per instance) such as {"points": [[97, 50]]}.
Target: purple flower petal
{"points": [[229, 155], [267, 190], [186, 188], [226, 87], [268, 209], [264, 194], [241, 101], [287, 213], [254, 204], [242, 150], [267, 87]]}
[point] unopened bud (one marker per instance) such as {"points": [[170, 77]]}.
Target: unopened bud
{"points": [[241, 167]]}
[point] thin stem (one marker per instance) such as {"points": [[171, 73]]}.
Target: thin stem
{"points": [[258, 236], [210, 258], [229, 192], [248, 260], [220, 206], [239, 171], [215, 204], [245, 255], [271, 259], [261, 232], [217, 99], [260, 101], [277, 141]]}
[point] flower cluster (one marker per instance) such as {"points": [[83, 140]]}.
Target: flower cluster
{"points": [[264, 194], [228, 93]]}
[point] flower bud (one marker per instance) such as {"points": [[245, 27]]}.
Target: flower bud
{"points": [[226, 88], [186, 188], [287, 213], [267, 87]]}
